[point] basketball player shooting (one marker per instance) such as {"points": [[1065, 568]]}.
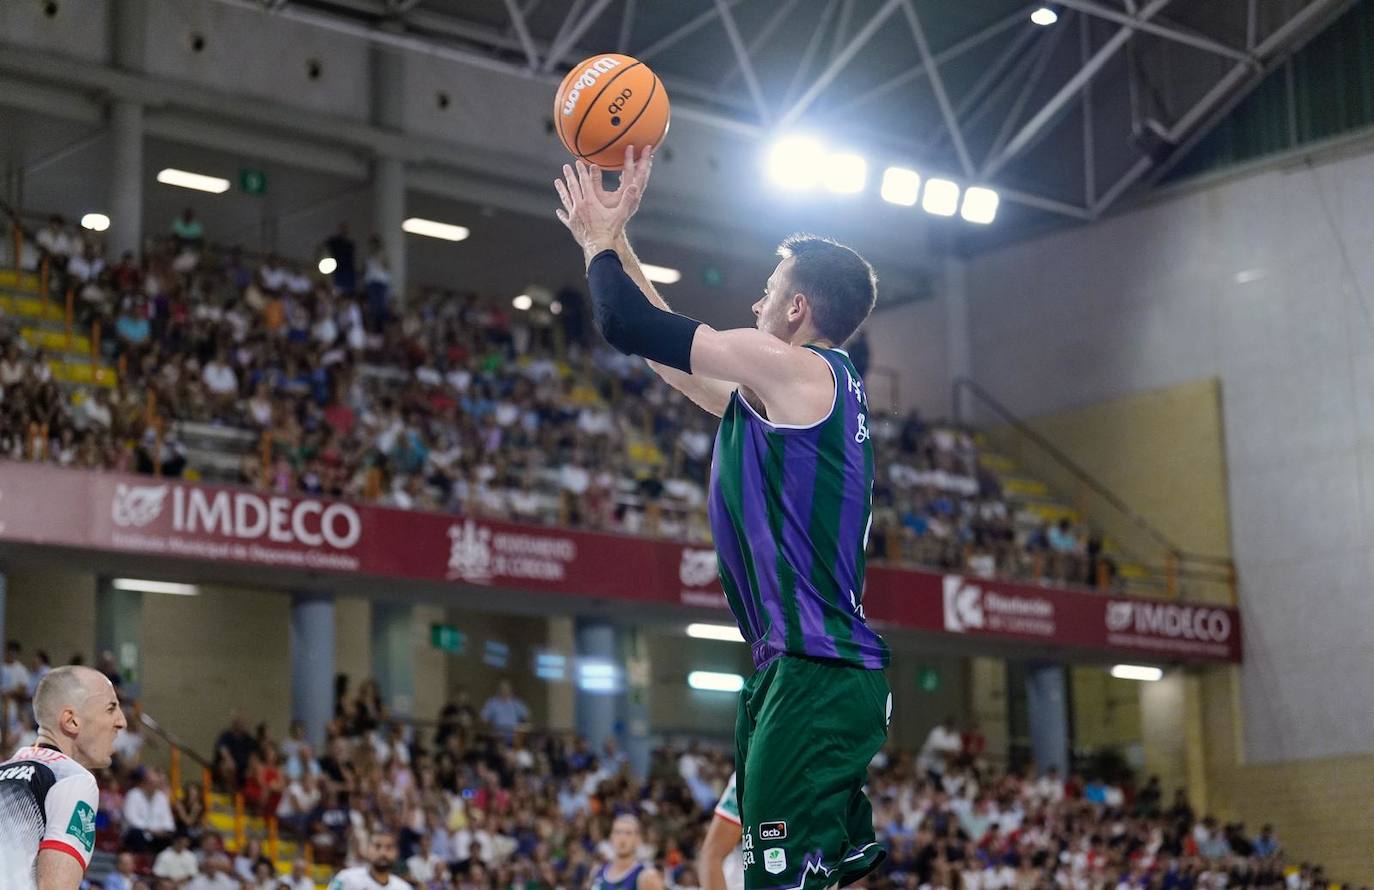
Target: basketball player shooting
{"points": [[790, 502]]}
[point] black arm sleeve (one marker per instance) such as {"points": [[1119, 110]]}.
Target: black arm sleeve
{"points": [[632, 324]]}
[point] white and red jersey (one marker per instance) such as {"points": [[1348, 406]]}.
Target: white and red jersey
{"points": [[47, 802]]}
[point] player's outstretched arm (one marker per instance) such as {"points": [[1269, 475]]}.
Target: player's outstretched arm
{"points": [[586, 184], [710, 394]]}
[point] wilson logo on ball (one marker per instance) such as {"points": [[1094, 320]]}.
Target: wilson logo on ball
{"points": [[588, 78]]}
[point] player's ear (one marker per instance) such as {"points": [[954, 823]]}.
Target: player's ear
{"points": [[798, 306]]}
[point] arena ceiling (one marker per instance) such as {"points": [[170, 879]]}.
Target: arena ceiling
{"points": [[1066, 121]]}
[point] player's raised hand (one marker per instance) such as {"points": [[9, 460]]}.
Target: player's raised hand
{"points": [[634, 172], [592, 223]]}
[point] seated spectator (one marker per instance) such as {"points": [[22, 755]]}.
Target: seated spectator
{"points": [[148, 821], [216, 873], [189, 810], [178, 862], [123, 877]]}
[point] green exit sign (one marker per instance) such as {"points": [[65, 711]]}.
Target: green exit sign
{"points": [[928, 679], [447, 638], [253, 182]]}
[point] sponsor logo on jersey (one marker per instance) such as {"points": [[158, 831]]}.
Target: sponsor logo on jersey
{"points": [[772, 831], [82, 825], [775, 860], [137, 505], [16, 773]]}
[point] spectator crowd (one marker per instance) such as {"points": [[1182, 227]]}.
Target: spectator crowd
{"points": [[444, 401], [477, 800]]}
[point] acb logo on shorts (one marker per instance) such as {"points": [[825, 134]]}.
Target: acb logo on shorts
{"points": [[772, 831]]}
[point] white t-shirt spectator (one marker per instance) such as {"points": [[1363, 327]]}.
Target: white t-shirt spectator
{"points": [[273, 278], [128, 745], [219, 378], [473, 844], [96, 414], [939, 745], [56, 241], [82, 269], [149, 813], [574, 478], [177, 866], [423, 869]]}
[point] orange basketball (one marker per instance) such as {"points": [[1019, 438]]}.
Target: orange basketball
{"points": [[606, 103]]}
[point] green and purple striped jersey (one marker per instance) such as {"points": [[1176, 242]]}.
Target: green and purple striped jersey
{"points": [[790, 509]]}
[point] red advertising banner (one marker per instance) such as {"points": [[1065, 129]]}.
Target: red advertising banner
{"points": [[137, 514]]}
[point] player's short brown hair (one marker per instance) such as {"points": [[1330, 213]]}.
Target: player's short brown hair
{"points": [[840, 285]]}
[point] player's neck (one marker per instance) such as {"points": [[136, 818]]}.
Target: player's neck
{"points": [[811, 338], [620, 866], [381, 877], [50, 739]]}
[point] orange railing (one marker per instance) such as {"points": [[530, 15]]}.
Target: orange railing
{"points": [[70, 314], [240, 823]]}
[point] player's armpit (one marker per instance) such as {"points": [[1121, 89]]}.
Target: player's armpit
{"points": [[795, 383], [710, 395], [59, 869]]}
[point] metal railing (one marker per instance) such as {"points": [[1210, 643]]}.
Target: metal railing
{"points": [[1166, 568]]}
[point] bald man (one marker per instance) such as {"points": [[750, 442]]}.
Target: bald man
{"points": [[48, 797]]}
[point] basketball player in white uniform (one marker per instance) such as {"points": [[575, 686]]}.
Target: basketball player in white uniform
{"points": [[381, 858], [48, 797], [720, 864]]}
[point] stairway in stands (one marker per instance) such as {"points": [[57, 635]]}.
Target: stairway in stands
{"points": [[220, 818], [43, 325], [1032, 502]]}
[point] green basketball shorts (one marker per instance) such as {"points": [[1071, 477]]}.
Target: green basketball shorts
{"points": [[804, 736]]}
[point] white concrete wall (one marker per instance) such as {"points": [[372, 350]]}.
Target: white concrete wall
{"points": [[1244, 281], [911, 340]]}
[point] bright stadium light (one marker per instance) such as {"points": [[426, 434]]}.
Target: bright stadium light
{"points": [[1044, 16], [714, 681], [139, 585], [660, 274], [901, 186], [198, 181], [96, 222], [725, 632], [980, 205], [431, 229], [523, 302], [1141, 672], [796, 162], [556, 307], [845, 173], [328, 265], [941, 197]]}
